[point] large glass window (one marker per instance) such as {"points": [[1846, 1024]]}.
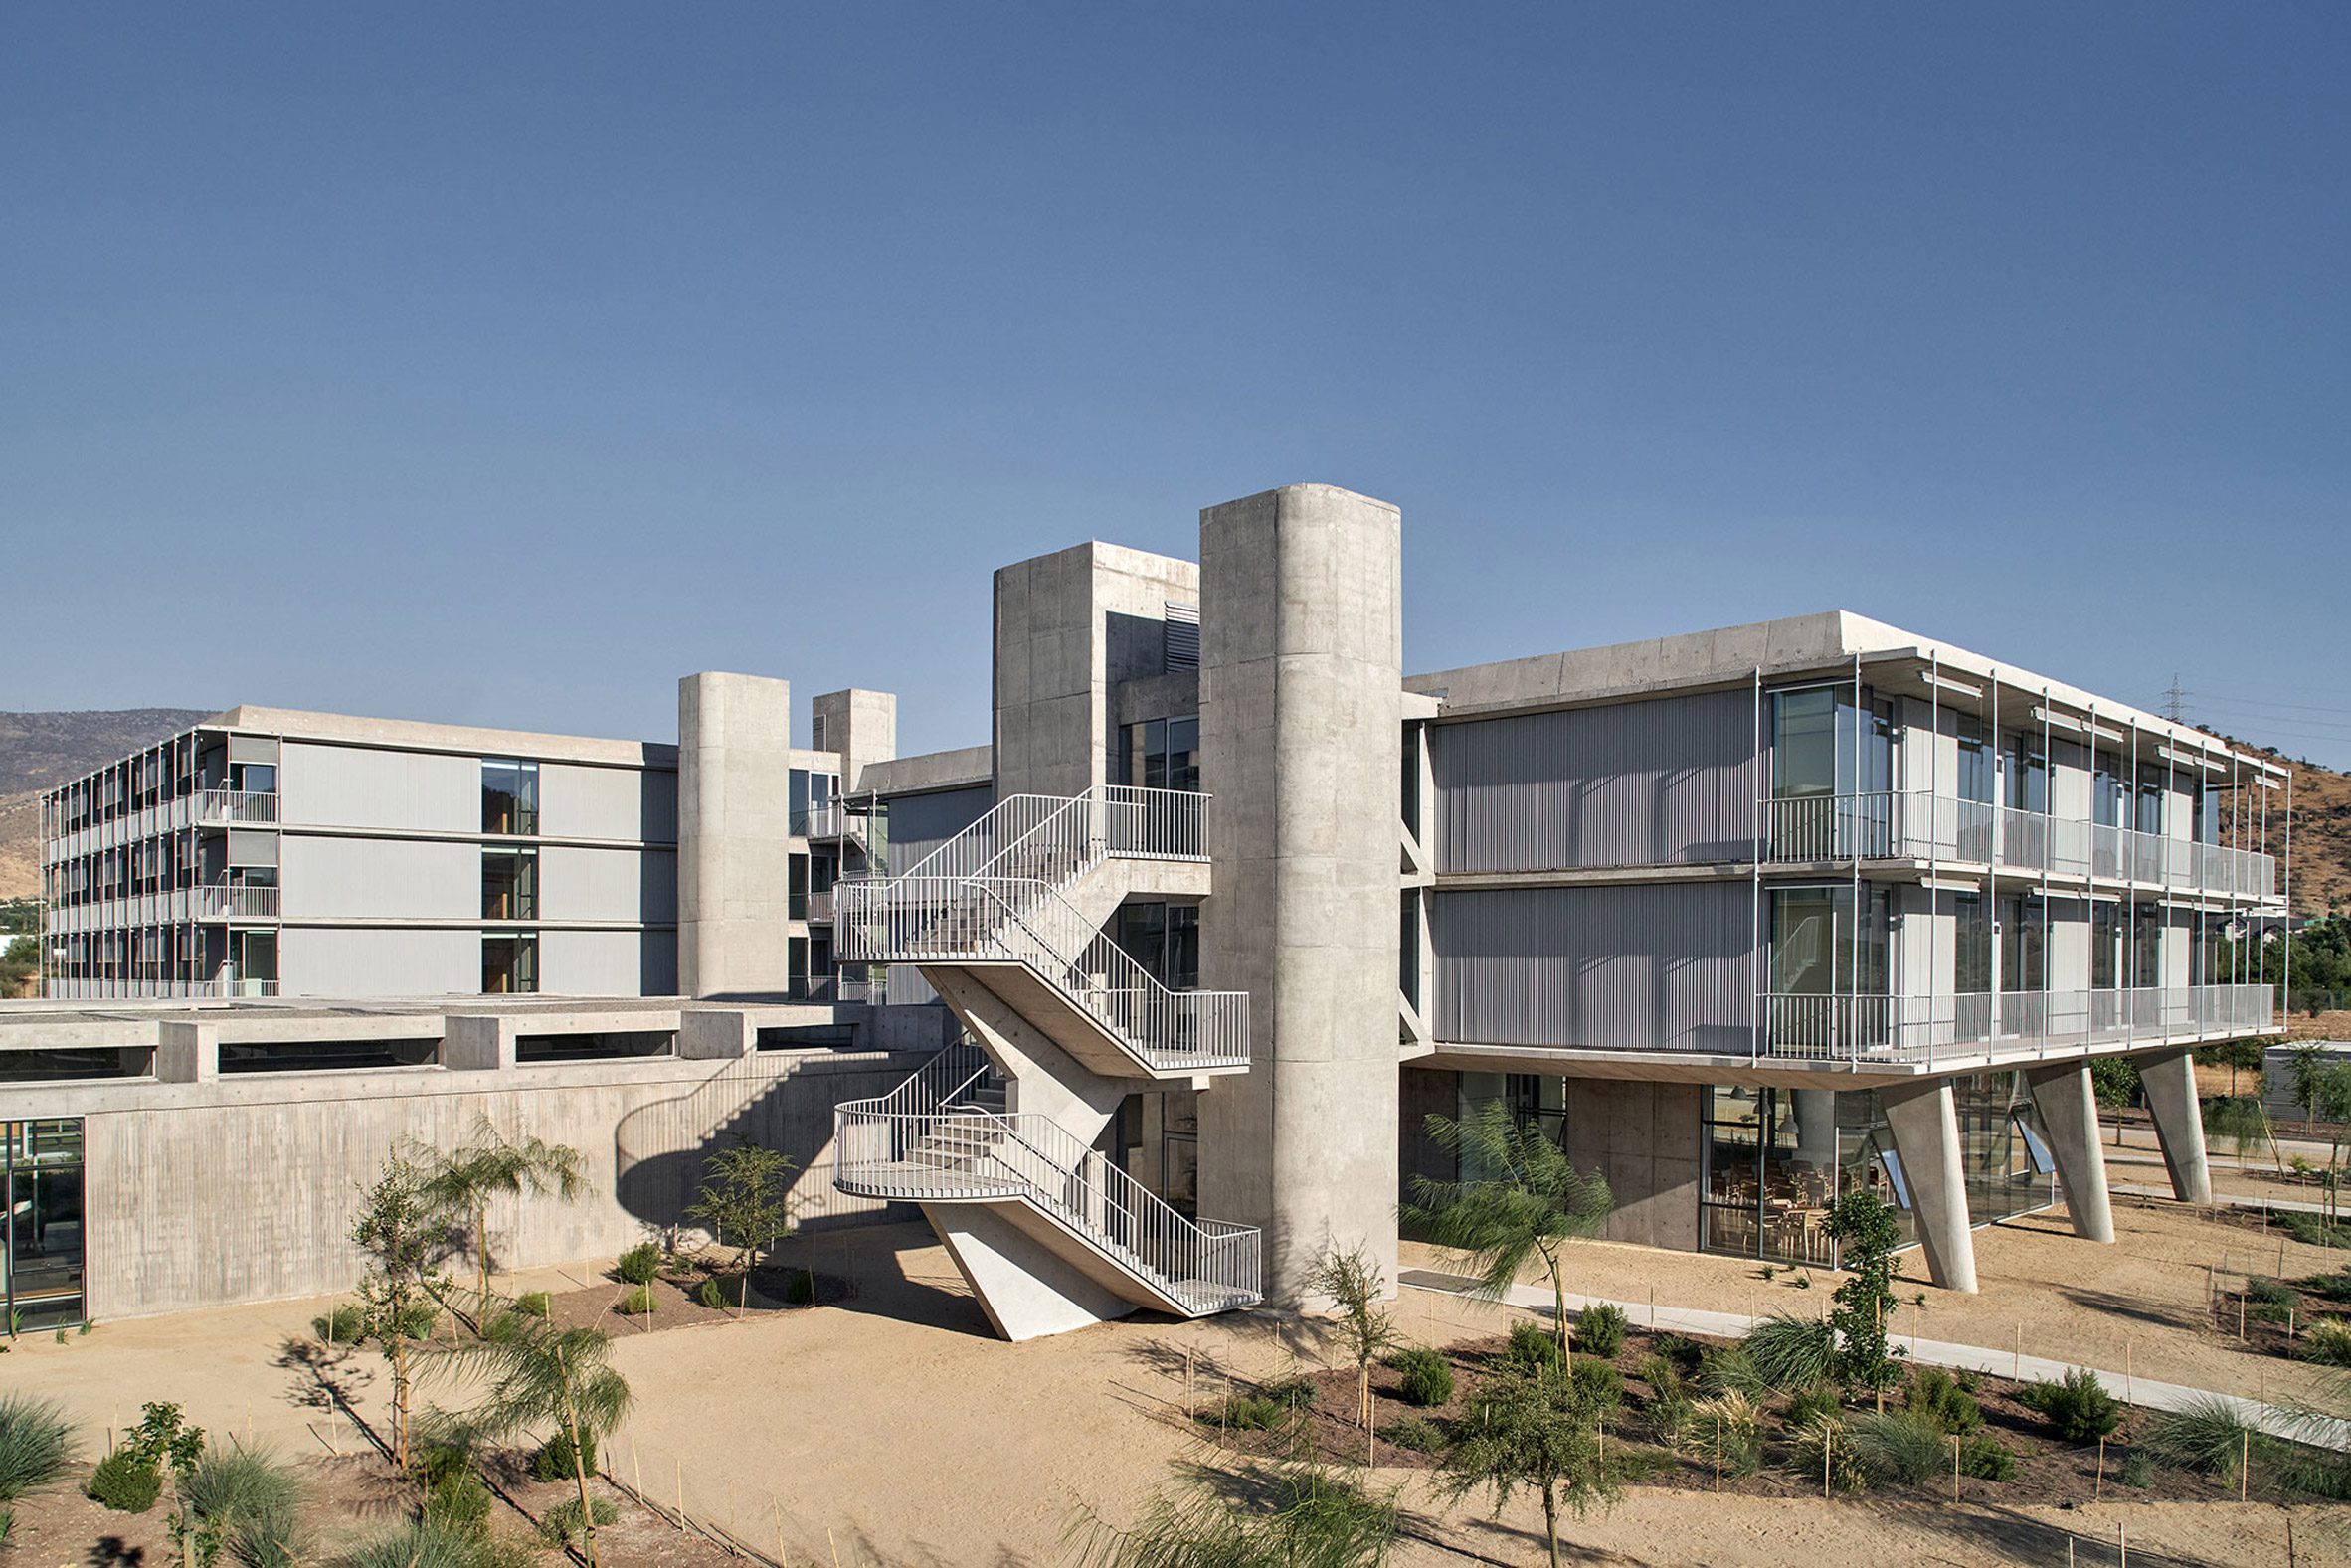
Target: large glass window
{"points": [[2024, 934], [1162, 754], [2028, 772], [1815, 948], [510, 963], [1803, 743], [509, 795], [41, 1241], [1772, 1172], [2146, 944], [1971, 945], [1164, 939], [2105, 946], [511, 884]]}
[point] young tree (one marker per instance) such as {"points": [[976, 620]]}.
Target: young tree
{"points": [[165, 1444], [1537, 1431], [403, 1232], [466, 1181], [1867, 1233], [1352, 1283], [744, 1202], [1517, 1199], [538, 1376]]}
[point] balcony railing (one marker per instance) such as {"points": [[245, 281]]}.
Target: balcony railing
{"points": [[232, 900], [1870, 1030], [237, 807], [1919, 825]]}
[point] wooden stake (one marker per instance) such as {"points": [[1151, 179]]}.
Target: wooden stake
{"points": [[2244, 1462], [2097, 1487], [1954, 1468], [2126, 1369], [1717, 1453], [636, 1465], [2016, 1365], [1825, 1444], [681, 1514]]}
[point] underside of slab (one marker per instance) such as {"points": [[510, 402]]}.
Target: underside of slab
{"points": [[1027, 1289]]}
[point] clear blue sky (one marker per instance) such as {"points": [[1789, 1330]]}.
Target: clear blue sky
{"points": [[503, 363]]}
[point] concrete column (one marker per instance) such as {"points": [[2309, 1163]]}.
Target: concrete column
{"points": [[2069, 1109], [1301, 715], [860, 727], [478, 1042], [1924, 1121], [734, 765], [187, 1053], [2169, 1077], [711, 1034]]}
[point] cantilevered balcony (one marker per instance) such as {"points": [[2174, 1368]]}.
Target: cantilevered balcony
{"points": [[236, 809], [1917, 825], [1869, 1030]]}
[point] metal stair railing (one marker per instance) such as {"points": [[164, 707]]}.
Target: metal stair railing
{"points": [[966, 1153]]}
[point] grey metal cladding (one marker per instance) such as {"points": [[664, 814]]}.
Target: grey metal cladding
{"points": [[1662, 966], [1667, 782], [920, 823]]}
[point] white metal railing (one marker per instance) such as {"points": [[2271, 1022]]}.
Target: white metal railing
{"points": [[873, 989], [238, 807], [1007, 920], [1922, 825], [916, 1144], [1040, 836], [820, 904], [1868, 1029], [234, 901]]}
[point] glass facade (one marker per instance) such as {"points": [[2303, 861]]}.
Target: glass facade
{"points": [[40, 1253], [509, 797], [1164, 753]]}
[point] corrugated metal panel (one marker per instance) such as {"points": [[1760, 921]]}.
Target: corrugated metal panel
{"points": [[920, 823], [1663, 783], [1656, 967]]}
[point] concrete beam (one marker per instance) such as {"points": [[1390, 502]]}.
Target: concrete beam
{"points": [[2068, 1108], [714, 1034], [1027, 1289], [1924, 1119], [187, 1053], [2169, 1077]]}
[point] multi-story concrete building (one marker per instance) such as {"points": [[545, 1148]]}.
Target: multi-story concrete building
{"points": [[1224, 911]]}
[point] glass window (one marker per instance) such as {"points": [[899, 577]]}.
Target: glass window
{"points": [[509, 797], [2150, 813], [1814, 946], [510, 963], [2028, 773], [1161, 753], [1540, 1102], [1803, 743], [2105, 794], [1971, 945], [41, 1239], [1975, 761], [796, 895], [2023, 932], [2105, 946], [2147, 945], [511, 884]]}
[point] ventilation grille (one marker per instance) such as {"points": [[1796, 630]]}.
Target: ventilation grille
{"points": [[1184, 636]]}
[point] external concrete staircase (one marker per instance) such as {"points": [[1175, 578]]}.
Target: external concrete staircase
{"points": [[995, 1138]]}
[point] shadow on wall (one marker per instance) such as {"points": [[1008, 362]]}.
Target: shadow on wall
{"points": [[662, 1151]]}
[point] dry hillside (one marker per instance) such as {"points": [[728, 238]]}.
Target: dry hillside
{"points": [[39, 751]]}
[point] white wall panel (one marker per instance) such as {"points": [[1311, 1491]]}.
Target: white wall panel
{"points": [[598, 963], [577, 801], [374, 962], [607, 884], [354, 786], [379, 878]]}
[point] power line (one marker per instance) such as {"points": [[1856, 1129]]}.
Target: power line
{"points": [[2175, 700]]}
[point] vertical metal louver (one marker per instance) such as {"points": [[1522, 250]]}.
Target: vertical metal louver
{"points": [[1184, 636]]}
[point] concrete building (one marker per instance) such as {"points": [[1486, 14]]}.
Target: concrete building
{"points": [[1179, 964]]}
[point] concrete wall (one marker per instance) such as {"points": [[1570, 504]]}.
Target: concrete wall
{"points": [[245, 1191], [734, 817], [860, 727], [1301, 614], [1645, 1139]]}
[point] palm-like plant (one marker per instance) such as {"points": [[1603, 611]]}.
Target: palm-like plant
{"points": [[1517, 1199], [1303, 1517], [537, 1375], [466, 1181]]}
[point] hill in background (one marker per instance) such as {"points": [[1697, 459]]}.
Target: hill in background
{"points": [[39, 751]]}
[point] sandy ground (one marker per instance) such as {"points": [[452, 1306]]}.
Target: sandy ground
{"points": [[891, 1429]]}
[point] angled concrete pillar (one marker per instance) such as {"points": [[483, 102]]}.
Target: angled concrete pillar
{"points": [[1045, 1081], [2169, 1077], [1026, 1286], [2069, 1109], [734, 811], [1924, 1121], [1301, 725]]}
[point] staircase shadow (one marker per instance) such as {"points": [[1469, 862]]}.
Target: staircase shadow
{"points": [[896, 1271]]}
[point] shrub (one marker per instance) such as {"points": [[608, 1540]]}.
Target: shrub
{"points": [[1600, 1328], [340, 1324], [2206, 1434], [1792, 1352], [255, 1499], [36, 1440], [1249, 1412], [2077, 1407], [639, 1303], [460, 1503], [1599, 1382], [2328, 1342], [125, 1482], [1424, 1377], [1532, 1348], [709, 1294], [561, 1524], [1986, 1457], [1730, 1371], [2137, 1469], [1818, 1403], [2271, 1292], [553, 1461], [534, 1304], [1735, 1421], [416, 1322], [1417, 1433], [1291, 1393], [420, 1544], [640, 1264], [1684, 1354], [2334, 1287], [799, 1289], [1662, 1374], [1937, 1395], [1899, 1447], [1842, 1460]]}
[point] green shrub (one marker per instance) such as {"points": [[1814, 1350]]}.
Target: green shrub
{"points": [[1937, 1395], [1730, 1371], [561, 1524], [709, 1294], [1663, 1375], [1986, 1457], [799, 1289], [2312, 1230], [1843, 1460], [1670, 1417], [640, 1264], [2207, 1434], [36, 1440], [2077, 1407], [1684, 1354], [1249, 1412], [1599, 1382], [2328, 1342], [1899, 1447], [420, 1544], [1424, 1377], [340, 1324], [1417, 1433], [1792, 1352], [1532, 1348], [254, 1498], [1291, 1393], [637, 1302], [1808, 1406], [125, 1482], [1600, 1329], [553, 1461], [418, 1320], [2269, 1293], [2137, 1469], [2334, 1287], [1732, 1420], [460, 1503], [534, 1304]]}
